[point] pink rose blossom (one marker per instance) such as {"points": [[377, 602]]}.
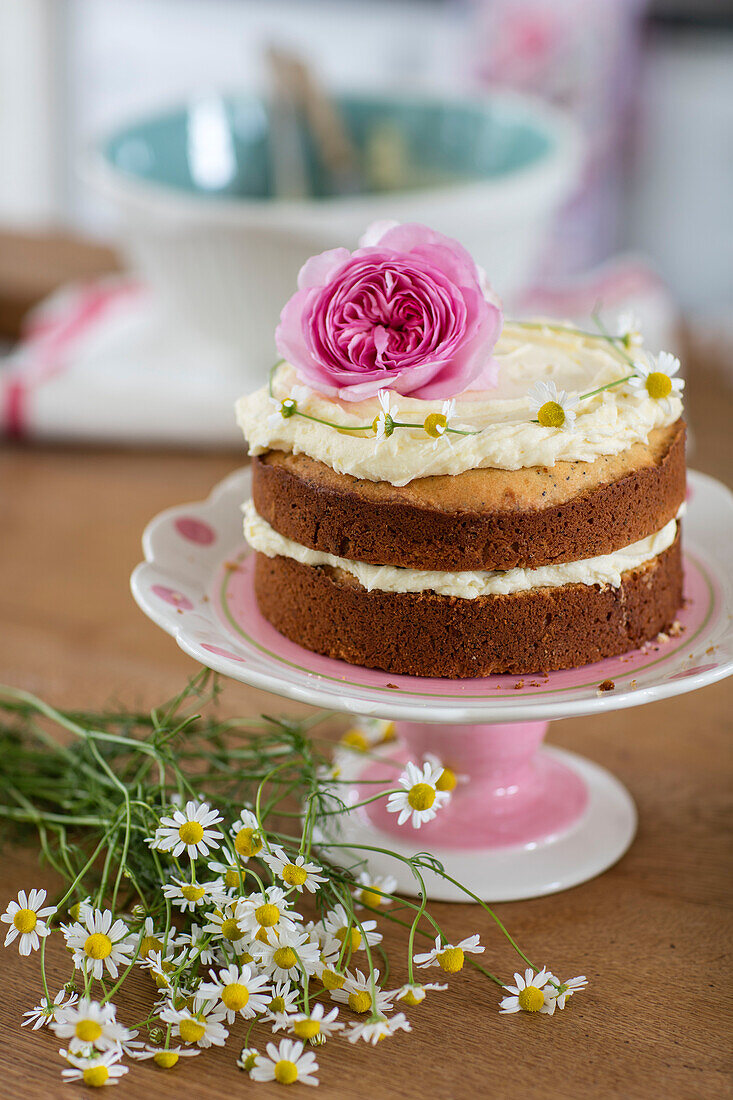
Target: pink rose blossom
{"points": [[408, 311]]}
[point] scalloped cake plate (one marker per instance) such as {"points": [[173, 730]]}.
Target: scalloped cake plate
{"points": [[196, 583]]}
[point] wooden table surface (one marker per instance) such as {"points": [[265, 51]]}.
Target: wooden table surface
{"points": [[653, 934]]}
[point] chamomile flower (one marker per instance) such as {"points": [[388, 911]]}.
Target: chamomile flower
{"points": [[189, 896], [628, 328], [414, 994], [26, 919], [98, 943], [449, 956], [657, 378], [195, 943], [372, 888], [245, 833], [420, 798], [160, 966], [239, 989], [378, 1028], [95, 1069], [190, 829], [552, 408], [247, 1058], [286, 1064], [339, 925], [384, 422], [46, 1011], [150, 940], [201, 1025], [362, 994], [289, 956], [231, 923], [288, 406], [559, 992], [317, 1022], [164, 1057], [448, 779], [296, 872], [232, 873], [89, 1023], [437, 424], [268, 914], [283, 1001], [530, 993]]}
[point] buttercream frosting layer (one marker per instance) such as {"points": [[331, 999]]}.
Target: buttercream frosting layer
{"points": [[603, 570], [606, 424]]}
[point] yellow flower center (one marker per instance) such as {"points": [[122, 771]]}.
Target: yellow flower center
{"points": [[388, 424], [235, 996], [191, 1030], [267, 915], [448, 780], [370, 897], [435, 425], [262, 935], [247, 843], [95, 1076], [149, 944], [551, 415], [451, 960], [249, 1062], [355, 739], [285, 958], [413, 997], [658, 385], [277, 1004], [166, 1059], [306, 1029], [531, 999], [293, 875], [98, 946], [192, 892], [354, 936], [230, 930], [231, 878], [88, 1030], [191, 832], [25, 920], [389, 733], [74, 910], [285, 1072], [331, 980], [421, 796], [360, 1001]]}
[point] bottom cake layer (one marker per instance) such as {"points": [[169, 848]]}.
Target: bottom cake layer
{"points": [[327, 611]]}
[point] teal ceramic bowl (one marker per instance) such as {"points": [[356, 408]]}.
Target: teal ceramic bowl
{"points": [[194, 187]]}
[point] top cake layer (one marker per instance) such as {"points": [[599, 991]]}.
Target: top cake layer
{"points": [[505, 434]]}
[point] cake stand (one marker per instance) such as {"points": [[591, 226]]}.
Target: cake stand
{"points": [[526, 820]]}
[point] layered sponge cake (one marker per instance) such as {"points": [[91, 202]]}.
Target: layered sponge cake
{"points": [[517, 547]]}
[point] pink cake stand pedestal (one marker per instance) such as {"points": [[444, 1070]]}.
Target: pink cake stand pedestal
{"points": [[527, 819]]}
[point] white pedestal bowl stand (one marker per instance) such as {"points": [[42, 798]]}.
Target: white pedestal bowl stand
{"points": [[529, 820]]}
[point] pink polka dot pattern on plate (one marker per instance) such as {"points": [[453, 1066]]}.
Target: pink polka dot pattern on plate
{"points": [[171, 595], [221, 652], [195, 530]]}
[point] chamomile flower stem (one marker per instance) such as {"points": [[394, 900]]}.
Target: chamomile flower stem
{"points": [[608, 386], [416, 921]]}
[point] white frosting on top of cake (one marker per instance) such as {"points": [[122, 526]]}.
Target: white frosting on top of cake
{"points": [[603, 570], [507, 439]]}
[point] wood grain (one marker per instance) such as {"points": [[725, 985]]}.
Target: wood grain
{"points": [[653, 934]]}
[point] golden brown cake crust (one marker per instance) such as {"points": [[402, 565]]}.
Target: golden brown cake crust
{"points": [[481, 519], [424, 634]]}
